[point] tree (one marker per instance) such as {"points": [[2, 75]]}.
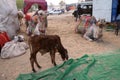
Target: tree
{"points": [[20, 4], [62, 4], [51, 5]]}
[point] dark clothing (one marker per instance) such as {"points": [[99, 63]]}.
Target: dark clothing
{"points": [[118, 24], [0, 49]]}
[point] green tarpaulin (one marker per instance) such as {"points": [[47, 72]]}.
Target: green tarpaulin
{"points": [[105, 66]]}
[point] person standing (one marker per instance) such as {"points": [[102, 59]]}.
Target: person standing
{"points": [[118, 25]]}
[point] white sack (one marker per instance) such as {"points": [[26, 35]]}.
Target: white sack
{"points": [[8, 17], [13, 49]]}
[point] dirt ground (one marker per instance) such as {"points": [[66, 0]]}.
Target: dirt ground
{"points": [[62, 25]]}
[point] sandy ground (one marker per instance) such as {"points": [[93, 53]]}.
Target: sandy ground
{"points": [[62, 25]]}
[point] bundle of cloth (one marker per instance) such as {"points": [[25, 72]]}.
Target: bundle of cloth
{"points": [[13, 48]]}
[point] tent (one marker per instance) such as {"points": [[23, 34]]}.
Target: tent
{"points": [[29, 3], [109, 11], [8, 17]]}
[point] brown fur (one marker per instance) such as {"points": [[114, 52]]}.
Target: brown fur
{"points": [[44, 44]]}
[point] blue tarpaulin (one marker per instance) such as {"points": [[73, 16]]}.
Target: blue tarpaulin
{"points": [[114, 10]]}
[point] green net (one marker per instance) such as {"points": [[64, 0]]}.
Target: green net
{"points": [[95, 67]]}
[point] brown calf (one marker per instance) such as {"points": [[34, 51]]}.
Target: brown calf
{"points": [[44, 44]]}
